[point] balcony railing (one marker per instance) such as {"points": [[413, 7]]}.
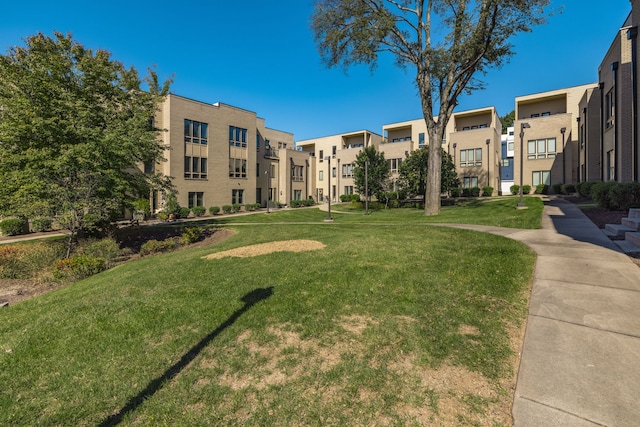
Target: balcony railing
{"points": [[271, 153]]}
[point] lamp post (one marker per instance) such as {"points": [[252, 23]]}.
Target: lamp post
{"points": [[328, 159], [523, 126], [562, 131], [366, 187], [488, 141], [268, 188]]}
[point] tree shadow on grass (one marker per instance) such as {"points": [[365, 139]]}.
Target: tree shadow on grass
{"points": [[156, 384]]}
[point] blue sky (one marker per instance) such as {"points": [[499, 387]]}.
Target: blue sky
{"points": [[260, 55]]}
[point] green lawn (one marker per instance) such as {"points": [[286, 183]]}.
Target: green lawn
{"points": [[372, 330]]}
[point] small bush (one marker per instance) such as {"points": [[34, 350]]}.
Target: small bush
{"points": [[557, 188], [41, 224], [142, 205], [350, 198], [78, 267], [542, 189], [568, 188], [601, 194], [236, 207], [515, 189], [625, 196], [13, 226], [162, 216], [154, 246], [456, 192], [526, 189], [29, 261], [183, 212], [487, 191], [227, 209], [190, 235], [214, 210], [107, 249], [199, 210], [584, 188]]}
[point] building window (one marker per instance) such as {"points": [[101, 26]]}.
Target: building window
{"points": [[321, 156], [348, 189], [320, 175], [297, 173], [470, 182], [510, 146], [333, 150], [541, 177], [541, 149], [347, 171], [611, 166], [471, 157], [195, 167], [394, 164], [237, 196], [237, 137], [257, 169], [610, 109], [257, 141], [297, 194], [421, 140], [237, 168], [282, 145], [149, 167], [333, 172], [196, 199], [195, 132]]}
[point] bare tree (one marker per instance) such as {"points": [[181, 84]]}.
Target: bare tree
{"points": [[446, 42]]}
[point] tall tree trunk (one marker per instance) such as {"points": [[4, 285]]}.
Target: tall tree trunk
{"points": [[434, 171]]}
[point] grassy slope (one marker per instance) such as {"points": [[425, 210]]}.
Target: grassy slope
{"points": [[81, 354]]}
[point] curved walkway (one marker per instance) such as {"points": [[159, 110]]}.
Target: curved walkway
{"points": [[580, 362]]}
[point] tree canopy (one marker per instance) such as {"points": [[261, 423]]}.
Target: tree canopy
{"points": [[75, 129], [475, 36], [413, 173], [507, 120], [377, 172]]}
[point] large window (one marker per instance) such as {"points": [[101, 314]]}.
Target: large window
{"points": [[348, 189], [610, 108], [347, 170], [471, 157], [541, 177], [195, 132], [470, 182], [237, 168], [195, 167], [237, 137], [394, 164], [421, 140], [297, 194], [297, 173], [196, 199], [237, 196], [320, 175], [541, 149]]}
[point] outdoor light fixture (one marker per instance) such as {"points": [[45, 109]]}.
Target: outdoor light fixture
{"points": [[268, 189], [523, 126], [328, 159], [488, 141], [562, 131]]}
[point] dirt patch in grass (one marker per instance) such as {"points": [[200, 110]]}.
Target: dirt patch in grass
{"points": [[268, 248]]}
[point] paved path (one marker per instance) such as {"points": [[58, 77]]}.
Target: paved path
{"points": [[580, 362]]}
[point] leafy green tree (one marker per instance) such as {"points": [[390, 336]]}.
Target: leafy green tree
{"points": [[475, 37], [507, 120], [377, 172], [413, 173], [75, 128]]}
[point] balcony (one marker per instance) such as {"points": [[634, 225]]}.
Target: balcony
{"points": [[271, 153]]}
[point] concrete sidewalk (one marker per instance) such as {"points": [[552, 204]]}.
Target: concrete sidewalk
{"points": [[580, 362]]}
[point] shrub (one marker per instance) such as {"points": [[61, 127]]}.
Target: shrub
{"points": [[107, 249], [29, 261], [214, 210], [557, 188], [13, 226], [568, 189], [515, 189], [542, 189], [584, 188], [142, 205], [350, 198], [625, 196], [78, 267], [456, 192], [190, 235], [42, 224], [601, 194], [199, 210], [227, 209], [251, 207], [526, 189], [183, 212], [162, 216], [236, 207], [487, 191], [154, 246], [474, 191]]}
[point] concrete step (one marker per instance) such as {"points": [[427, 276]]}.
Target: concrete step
{"points": [[634, 213], [633, 237], [616, 231], [633, 223]]}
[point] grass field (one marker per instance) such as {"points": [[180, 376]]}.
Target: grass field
{"points": [[405, 324]]}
